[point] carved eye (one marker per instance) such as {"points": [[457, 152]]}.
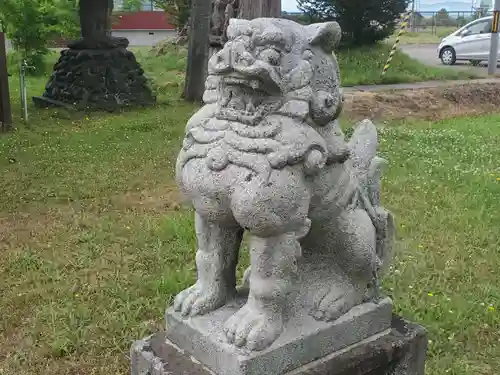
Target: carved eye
{"points": [[271, 55]]}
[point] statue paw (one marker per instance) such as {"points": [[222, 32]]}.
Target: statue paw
{"points": [[198, 300], [253, 328], [336, 302]]}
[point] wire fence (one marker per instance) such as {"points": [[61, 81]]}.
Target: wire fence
{"points": [[442, 23]]}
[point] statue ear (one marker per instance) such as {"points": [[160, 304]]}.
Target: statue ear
{"points": [[237, 26], [325, 35]]}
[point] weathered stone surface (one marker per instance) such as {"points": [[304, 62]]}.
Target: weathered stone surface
{"points": [[45, 102], [401, 351], [156, 356], [99, 43], [304, 339], [266, 154], [104, 79]]}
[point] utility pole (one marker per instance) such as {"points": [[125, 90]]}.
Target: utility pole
{"points": [[492, 62], [413, 18], [5, 109]]}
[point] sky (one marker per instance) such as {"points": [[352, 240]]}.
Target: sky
{"points": [[289, 5], [446, 1]]}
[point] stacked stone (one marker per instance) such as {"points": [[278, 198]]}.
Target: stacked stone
{"points": [[98, 79]]}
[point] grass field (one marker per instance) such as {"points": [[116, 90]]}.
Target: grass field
{"points": [[94, 240], [363, 67]]}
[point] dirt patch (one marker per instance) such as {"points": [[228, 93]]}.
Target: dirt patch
{"points": [[39, 225], [424, 104], [158, 200], [18, 230]]}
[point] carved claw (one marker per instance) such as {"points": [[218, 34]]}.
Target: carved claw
{"points": [[252, 328], [335, 303], [199, 301]]}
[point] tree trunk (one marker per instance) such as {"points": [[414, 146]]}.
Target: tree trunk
{"points": [[5, 110], [95, 18], [250, 9], [198, 49]]}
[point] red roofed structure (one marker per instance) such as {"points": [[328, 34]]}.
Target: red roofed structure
{"points": [[144, 28], [152, 20]]}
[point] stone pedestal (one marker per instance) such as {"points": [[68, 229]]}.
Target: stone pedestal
{"points": [[400, 350], [303, 340], [103, 75]]}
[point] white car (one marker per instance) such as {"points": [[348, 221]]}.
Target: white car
{"points": [[469, 43]]}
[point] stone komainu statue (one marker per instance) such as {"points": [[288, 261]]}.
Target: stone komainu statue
{"points": [[266, 155]]}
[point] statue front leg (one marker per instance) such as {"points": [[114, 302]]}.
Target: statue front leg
{"points": [[275, 214], [216, 261], [260, 321]]}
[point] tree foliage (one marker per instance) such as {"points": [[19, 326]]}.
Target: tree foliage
{"points": [[177, 10], [131, 5], [31, 24], [363, 22], [442, 18], [301, 18]]}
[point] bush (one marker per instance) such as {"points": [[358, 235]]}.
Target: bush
{"points": [[363, 22], [30, 24], [169, 46], [39, 64]]}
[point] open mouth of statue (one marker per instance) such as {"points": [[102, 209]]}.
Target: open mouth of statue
{"points": [[241, 100], [243, 82], [241, 94]]}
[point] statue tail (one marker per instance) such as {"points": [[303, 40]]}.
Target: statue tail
{"points": [[368, 169], [363, 145]]}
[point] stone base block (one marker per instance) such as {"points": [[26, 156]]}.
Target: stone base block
{"points": [[401, 350], [304, 339]]}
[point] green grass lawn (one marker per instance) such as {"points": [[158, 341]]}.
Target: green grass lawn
{"points": [[363, 66], [360, 66], [94, 240]]}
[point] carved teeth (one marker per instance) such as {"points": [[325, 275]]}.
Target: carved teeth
{"points": [[235, 81], [250, 108], [254, 84]]}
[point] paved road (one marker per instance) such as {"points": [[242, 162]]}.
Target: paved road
{"points": [[418, 85], [427, 53]]}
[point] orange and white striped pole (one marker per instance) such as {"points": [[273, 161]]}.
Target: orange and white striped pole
{"points": [[402, 30]]}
